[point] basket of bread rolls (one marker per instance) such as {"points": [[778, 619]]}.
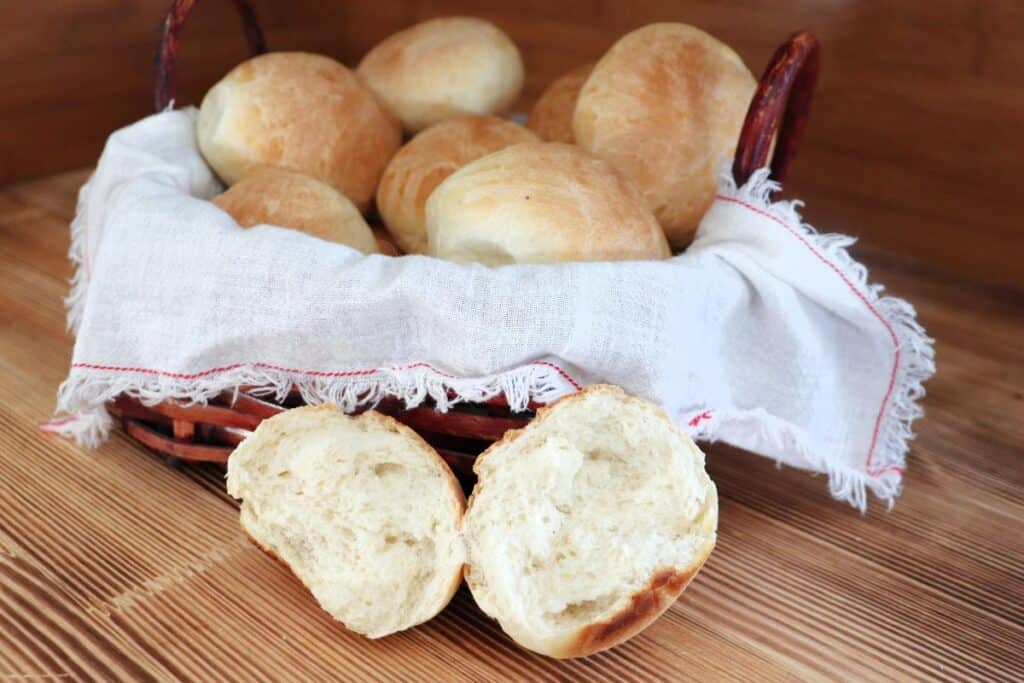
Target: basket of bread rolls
{"points": [[304, 179], [414, 152]]}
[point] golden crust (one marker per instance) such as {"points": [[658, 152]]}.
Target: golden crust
{"points": [[442, 68], [551, 116], [664, 106], [292, 200], [645, 606], [426, 160], [540, 202], [302, 112]]}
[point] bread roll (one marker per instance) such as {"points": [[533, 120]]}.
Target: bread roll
{"points": [[385, 243], [361, 509], [586, 525], [442, 68], [551, 116], [664, 106], [429, 158], [293, 200], [540, 202], [301, 112]]}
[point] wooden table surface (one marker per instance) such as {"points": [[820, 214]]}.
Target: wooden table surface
{"points": [[114, 565]]}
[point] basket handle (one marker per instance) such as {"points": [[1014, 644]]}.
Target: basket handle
{"points": [[164, 82], [780, 104]]}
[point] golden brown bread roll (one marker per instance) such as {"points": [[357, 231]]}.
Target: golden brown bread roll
{"points": [[442, 68], [551, 116], [301, 112], [540, 202], [664, 105], [587, 524], [428, 159], [293, 200]]}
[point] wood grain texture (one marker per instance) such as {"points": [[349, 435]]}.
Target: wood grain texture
{"points": [[115, 566], [915, 143]]}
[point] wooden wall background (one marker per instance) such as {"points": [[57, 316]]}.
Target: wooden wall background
{"points": [[915, 144]]}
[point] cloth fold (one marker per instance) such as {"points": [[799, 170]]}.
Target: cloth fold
{"points": [[764, 334]]}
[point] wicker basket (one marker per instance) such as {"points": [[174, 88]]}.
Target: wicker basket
{"points": [[208, 433]]}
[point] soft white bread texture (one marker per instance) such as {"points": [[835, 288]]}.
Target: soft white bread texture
{"points": [[551, 116], [428, 159], [442, 68], [293, 200], [361, 509], [301, 112], [540, 202], [586, 525], [665, 105]]}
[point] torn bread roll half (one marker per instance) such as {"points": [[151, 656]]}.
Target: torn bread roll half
{"points": [[588, 524], [361, 509]]}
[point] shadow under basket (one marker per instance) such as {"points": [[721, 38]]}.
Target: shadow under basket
{"points": [[209, 432]]}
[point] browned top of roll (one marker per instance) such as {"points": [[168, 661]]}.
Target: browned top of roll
{"points": [[551, 116], [292, 200], [541, 202], [428, 159], [665, 105], [301, 112], [444, 67]]}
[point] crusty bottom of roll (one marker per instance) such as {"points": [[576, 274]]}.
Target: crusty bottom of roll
{"points": [[587, 524], [363, 511]]}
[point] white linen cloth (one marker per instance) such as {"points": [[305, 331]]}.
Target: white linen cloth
{"points": [[764, 334]]}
